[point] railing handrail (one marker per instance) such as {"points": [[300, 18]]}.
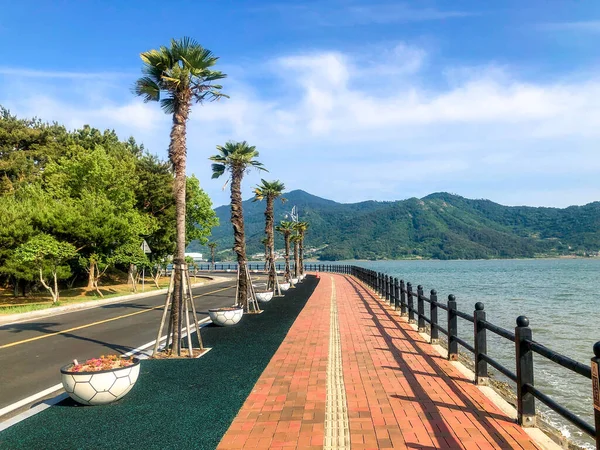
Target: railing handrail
{"points": [[401, 295]]}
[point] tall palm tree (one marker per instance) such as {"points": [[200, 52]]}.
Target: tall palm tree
{"points": [[295, 238], [212, 246], [286, 228], [237, 158], [301, 228], [178, 76], [269, 191]]}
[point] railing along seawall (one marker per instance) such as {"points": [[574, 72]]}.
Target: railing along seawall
{"points": [[402, 296]]}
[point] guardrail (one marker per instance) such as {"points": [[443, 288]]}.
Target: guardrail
{"points": [[222, 267], [402, 296]]}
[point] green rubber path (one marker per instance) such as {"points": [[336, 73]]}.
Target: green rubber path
{"points": [[177, 404]]}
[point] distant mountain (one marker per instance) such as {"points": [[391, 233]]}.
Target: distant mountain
{"points": [[440, 225]]}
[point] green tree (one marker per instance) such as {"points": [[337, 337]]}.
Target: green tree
{"points": [[200, 215], [237, 158], [286, 228], [270, 191], [177, 76], [47, 254], [131, 255], [93, 206]]}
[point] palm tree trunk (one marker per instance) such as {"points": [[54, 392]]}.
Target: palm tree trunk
{"points": [[269, 215], [177, 155], [287, 257], [239, 240], [296, 259], [301, 253]]}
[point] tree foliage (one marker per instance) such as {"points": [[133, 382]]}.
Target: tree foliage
{"points": [[88, 190]]}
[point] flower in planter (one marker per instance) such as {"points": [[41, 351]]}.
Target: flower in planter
{"points": [[103, 363], [100, 380]]}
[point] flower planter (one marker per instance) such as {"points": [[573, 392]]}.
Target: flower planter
{"points": [[226, 317], [295, 281], [100, 387], [284, 286], [265, 296]]}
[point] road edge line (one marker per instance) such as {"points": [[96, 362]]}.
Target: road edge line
{"points": [[63, 395]]}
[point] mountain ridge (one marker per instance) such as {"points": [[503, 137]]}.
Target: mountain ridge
{"points": [[440, 225]]}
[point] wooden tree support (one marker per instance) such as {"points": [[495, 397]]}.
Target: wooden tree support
{"points": [[187, 308], [276, 288], [253, 307]]}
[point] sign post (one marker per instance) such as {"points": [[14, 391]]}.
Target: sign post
{"points": [[146, 249]]}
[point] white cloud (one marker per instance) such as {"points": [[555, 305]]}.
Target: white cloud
{"points": [[358, 126], [335, 13], [590, 26]]}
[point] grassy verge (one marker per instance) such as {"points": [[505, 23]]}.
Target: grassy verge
{"points": [[16, 305], [176, 404]]}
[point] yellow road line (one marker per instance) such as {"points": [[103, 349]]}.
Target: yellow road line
{"points": [[12, 344]]}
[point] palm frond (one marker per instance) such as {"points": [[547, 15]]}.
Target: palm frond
{"points": [[148, 89], [218, 170], [168, 105]]}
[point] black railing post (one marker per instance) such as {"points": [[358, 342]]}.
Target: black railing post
{"points": [[380, 284], [388, 290], [596, 390], [524, 356], [396, 294], [386, 285], [402, 299], [481, 372], [433, 315], [421, 310], [452, 329], [410, 300]]}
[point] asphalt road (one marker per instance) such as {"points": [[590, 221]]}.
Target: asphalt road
{"points": [[31, 353]]}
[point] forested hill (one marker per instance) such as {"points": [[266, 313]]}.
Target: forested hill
{"points": [[441, 225]]}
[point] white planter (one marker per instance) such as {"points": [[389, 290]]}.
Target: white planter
{"points": [[295, 281], [284, 286], [102, 387], [264, 297], [226, 318]]}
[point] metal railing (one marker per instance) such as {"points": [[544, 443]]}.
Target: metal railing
{"points": [[401, 296]]}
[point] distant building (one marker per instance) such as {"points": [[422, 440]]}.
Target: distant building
{"points": [[195, 256]]}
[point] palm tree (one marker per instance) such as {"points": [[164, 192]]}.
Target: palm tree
{"points": [[237, 158], [286, 228], [301, 228], [212, 246], [270, 190], [295, 238], [176, 77]]}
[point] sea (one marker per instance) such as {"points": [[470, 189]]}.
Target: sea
{"points": [[560, 297]]}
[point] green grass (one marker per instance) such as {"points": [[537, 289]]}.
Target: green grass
{"points": [[67, 300], [177, 404]]}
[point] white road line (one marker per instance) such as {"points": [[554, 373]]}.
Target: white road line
{"points": [[139, 352]]}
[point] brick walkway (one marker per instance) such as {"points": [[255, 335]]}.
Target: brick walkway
{"points": [[400, 393]]}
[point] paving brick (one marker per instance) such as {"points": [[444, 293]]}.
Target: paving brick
{"points": [[400, 392]]}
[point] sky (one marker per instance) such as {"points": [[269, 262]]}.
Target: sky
{"points": [[348, 100]]}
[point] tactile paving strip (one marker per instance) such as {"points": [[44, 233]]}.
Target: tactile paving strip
{"points": [[337, 430]]}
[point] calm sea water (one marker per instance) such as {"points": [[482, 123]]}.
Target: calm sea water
{"points": [[561, 298]]}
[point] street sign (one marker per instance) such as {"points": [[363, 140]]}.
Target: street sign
{"points": [[145, 247]]}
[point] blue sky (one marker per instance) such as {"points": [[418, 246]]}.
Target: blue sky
{"points": [[348, 100]]}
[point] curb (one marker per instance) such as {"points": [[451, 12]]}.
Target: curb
{"points": [[22, 317]]}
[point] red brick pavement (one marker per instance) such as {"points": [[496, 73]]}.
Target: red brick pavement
{"points": [[400, 392]]}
